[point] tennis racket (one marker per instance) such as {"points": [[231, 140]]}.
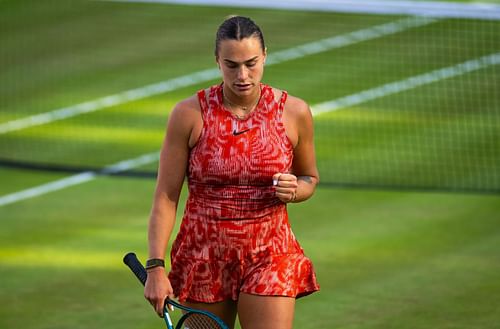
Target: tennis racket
{"points": [[191, 319]]}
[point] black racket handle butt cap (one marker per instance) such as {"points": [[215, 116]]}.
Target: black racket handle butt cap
{"points": [[135, 265]]}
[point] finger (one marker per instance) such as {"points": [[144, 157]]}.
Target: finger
{"points": [[159, 308], [276, 178], [288, 178], [286, 187], [286, 195], [168, 305]]}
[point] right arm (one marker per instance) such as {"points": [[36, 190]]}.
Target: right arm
{"points": [[171, 173]]}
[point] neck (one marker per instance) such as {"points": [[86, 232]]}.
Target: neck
{"points": [[246, 103]]}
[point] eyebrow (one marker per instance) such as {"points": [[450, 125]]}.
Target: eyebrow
{"points": [[247, 61]]}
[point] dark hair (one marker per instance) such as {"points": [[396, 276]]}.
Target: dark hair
{"points": [[238, 28]]}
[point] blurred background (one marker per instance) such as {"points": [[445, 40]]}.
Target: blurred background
{"points": [[404, 229]]}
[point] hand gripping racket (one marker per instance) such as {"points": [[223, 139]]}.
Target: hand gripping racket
{"points": [[191, 319]]}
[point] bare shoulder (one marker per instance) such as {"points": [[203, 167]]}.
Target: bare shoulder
{"points": [[187, 107], [297, 118], [297, 108], [293, 105], [186, 120], [186, 112]]}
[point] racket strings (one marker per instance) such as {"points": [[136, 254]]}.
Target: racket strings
{"points": [[200, 321]]}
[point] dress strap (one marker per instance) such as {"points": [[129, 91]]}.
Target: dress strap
{"points": [[202, 98], [281, 105]]}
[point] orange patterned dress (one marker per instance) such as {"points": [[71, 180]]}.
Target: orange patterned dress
{"points": [[235, 236]]}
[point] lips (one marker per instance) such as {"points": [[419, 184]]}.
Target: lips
{"points": [[243, 86]]}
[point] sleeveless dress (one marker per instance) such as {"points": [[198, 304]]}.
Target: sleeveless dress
{"points": [[235, 235]]}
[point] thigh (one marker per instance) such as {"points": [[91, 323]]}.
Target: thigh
{"points": [[264, 312], [226, 310]]}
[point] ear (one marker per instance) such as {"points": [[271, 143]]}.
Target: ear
{"points": [[265, 55], [217, 61]]}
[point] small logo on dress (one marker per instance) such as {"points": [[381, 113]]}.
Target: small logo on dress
{"points": [[236, 133]]}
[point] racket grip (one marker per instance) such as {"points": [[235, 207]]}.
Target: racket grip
{"points": [[135, 265]]}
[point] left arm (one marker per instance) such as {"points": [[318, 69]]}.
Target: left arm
{"points": [[300, 184]]}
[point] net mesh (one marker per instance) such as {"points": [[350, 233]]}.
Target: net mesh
{"points": [[398, 101], [428, 117]]}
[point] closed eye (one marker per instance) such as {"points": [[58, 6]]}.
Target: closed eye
{"points": [[249, 63]]}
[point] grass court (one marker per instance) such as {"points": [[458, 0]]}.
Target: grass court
{"points": [[415, 243]]}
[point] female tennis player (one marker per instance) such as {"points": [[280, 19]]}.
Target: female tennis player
{"points": [[247, 150]]}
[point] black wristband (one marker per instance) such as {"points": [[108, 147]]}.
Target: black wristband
{"points": [[154, 262]]}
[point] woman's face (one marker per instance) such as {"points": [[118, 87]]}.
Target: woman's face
{"points": [[242, 65]]}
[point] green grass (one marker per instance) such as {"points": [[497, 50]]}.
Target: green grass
{"points": [[452, 125], [393, 260], [384, 259]]}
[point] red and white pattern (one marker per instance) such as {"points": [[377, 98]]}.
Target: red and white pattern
{"points": [[235, 236]]}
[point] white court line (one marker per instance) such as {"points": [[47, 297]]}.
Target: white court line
{"points": [[407, 84], [109, 101], [211, 74], [380, 7], [77, 179], [354, 99]]}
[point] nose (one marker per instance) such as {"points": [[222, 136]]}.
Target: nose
{"points": [[242, 73]]}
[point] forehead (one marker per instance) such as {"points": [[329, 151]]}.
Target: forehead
{"points": [[240, 50]]}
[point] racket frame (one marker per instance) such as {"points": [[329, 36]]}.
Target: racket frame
{"points": [[131, 260]]}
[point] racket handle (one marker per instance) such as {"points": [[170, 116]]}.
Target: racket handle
{"points": [[135, 265]]}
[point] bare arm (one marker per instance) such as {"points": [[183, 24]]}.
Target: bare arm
{"points": [[300, 184], [171, 174]]}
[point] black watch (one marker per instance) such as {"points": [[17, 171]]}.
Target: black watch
{"points": [[154, 262]]}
